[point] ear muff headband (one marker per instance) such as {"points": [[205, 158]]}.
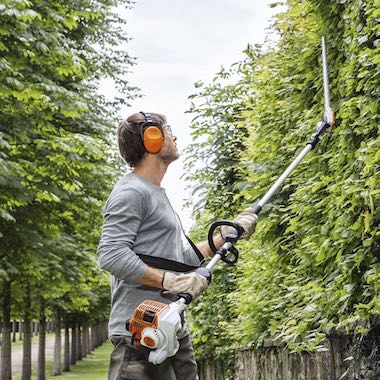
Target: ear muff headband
{"points": [[152, 134]]}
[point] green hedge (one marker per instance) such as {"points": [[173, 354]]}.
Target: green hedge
{"points": [[313, 264]]}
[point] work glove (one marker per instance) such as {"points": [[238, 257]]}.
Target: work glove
{"points": [[191, 283], [247, 220]]}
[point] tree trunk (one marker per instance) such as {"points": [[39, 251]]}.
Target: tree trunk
{"points": [[84, 340], [14, 329], [97, 335], [88, 340], [85, 337], [93, 337], [74, 356], [93, 333], [57, 346], [20, 329], [66, 353], [6, 359], [27, 344], [105, 331], [80, 341], [41, 369]]}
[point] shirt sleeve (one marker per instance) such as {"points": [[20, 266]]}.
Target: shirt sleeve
{"points": [[123, 215], [191, 257]]}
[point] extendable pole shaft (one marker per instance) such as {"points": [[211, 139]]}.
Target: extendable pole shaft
{"points": [[284, 175], [257, 207]]}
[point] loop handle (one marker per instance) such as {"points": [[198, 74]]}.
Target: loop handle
{"points": [[223, 252]]}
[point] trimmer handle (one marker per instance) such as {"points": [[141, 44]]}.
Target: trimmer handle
{"points": [[231, 239], [226, 257], [223, 252]]}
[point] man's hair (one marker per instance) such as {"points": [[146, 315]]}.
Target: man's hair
{"points": [[129, 139]]}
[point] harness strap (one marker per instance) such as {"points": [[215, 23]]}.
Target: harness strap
{"points": [[195, 249], [166, 264]]}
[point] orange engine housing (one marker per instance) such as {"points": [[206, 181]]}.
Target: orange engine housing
{"points": [[145, 315]]}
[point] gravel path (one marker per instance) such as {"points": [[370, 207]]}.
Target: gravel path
{"points": [[17, 353]]}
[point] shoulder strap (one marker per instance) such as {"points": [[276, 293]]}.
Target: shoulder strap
{"points": [[195, 249], [166, 264]]}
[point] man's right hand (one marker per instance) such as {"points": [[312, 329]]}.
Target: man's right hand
{"points": [[191, 283]]}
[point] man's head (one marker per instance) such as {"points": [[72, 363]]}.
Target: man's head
{"points": [[130, 139]]}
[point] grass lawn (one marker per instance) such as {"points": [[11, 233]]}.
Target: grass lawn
{"points": [[92, 367]]}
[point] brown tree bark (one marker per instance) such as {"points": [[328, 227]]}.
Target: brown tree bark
{"points": [[84, 340], [14, 329], [20, 329], [27, 343], [66, 353], [74, 356], [57, 370], [93, 337], [88, 339], [80, 342], [105, 331], [41, 369], [6, 359], [98, 334]]}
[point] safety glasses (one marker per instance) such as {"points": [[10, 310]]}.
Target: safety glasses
{"points": [[168, 129]]}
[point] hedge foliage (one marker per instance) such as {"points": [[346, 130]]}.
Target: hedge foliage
{"points": [[313, 264]]}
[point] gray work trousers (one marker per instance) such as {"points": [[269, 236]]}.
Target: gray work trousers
{"points": [[129, 362]]}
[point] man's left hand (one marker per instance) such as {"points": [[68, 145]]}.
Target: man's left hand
{"points": [[247, 220]]}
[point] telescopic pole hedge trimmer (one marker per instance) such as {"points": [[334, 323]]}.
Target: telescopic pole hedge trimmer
{"points": [[154, 324]]}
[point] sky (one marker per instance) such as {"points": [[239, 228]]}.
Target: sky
{"points": [[177, 43]]}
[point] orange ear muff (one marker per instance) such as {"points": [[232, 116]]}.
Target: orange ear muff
{"points": [[153, 139]]}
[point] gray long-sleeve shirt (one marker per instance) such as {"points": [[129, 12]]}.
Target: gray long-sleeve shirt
{"points": [[138, 218]]}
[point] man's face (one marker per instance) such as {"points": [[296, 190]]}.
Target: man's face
{"points": [[169, 151]]}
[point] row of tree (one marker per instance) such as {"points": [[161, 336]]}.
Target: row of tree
{"points": [[55, 166], [313, 266], [79, 339]]}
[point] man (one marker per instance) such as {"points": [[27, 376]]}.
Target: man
{"points": [[140, 224]]}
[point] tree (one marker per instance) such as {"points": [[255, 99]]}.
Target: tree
{"points": [[54, 137]]}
